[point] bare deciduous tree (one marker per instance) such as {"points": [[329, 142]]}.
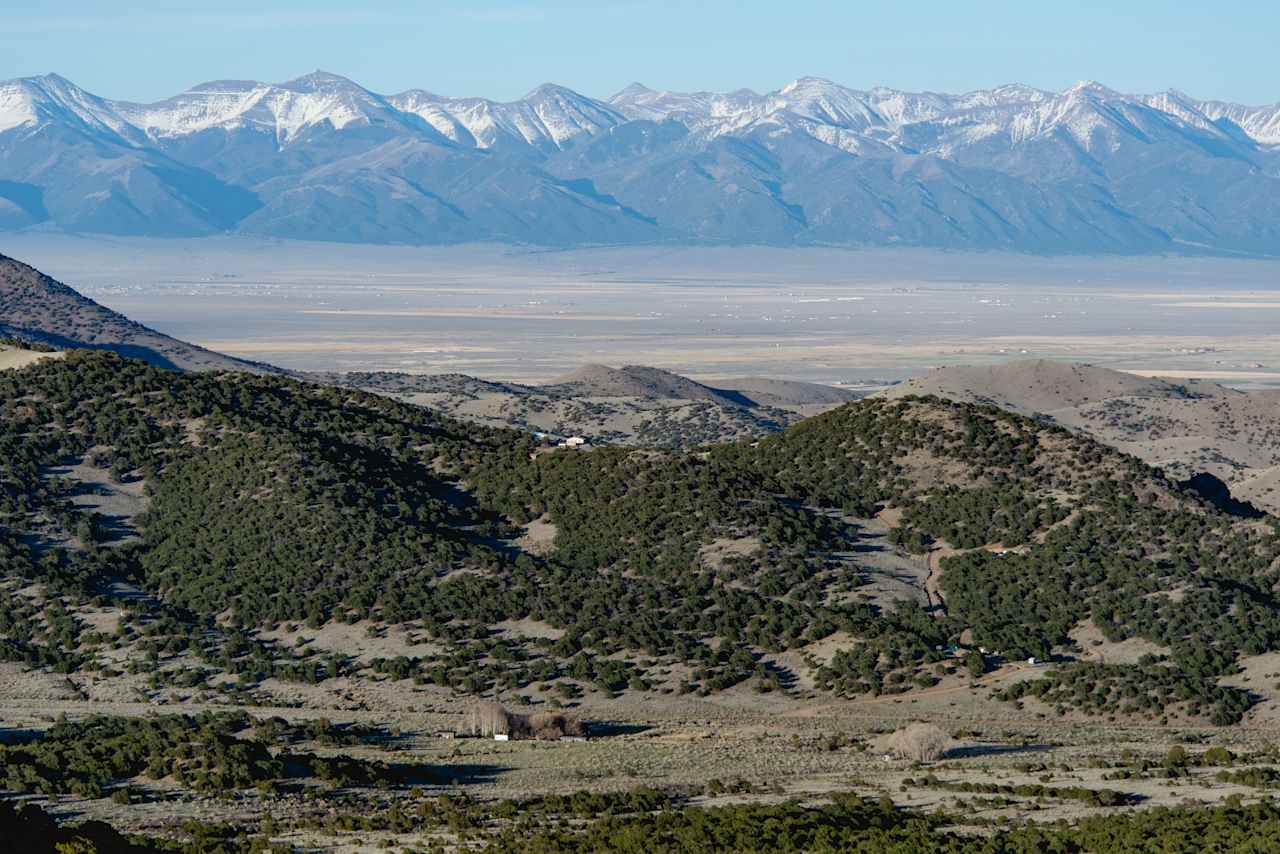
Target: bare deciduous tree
{"points": [[488, 717], [920, 742], [549, 726]]}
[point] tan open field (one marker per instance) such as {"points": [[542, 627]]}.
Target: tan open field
{"points": [[11, 357], [821, 315]]}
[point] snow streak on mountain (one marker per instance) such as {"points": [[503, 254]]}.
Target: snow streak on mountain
{"points": [[1088, 169]]}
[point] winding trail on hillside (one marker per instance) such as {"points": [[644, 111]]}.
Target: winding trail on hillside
{"points": [[932, 587]]}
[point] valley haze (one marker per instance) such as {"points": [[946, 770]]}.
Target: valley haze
{"points": [[823, 315]]}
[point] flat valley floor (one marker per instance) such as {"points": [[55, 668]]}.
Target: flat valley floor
{"points": [[822, 315]]}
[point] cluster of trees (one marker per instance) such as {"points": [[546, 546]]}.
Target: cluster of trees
{"points": [[1148, 689], [1087, 796], [28, 828], [968, 518], [894, 647], [854, 824], [1258, 778], [36, 346], [31, 830], [1117, 565], [203, 752], [647, 819]]}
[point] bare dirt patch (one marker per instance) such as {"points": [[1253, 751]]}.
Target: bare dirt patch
{"points": [[1097, 648], [363, 641], [117, 503], [1260, 675], [892, 574], [17, 357], [528, 629], [714, 554], [539, 537]]}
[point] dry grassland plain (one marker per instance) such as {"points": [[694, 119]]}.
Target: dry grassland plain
{"points": [[823, 315], [802, 746], [19, 358]]}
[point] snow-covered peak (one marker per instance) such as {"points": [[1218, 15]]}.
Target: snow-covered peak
{"points": [[813, 103], [826, 103], [1007, 95], [553, 90], [550, 116], [321, 81], [1100, 119], [1261, 124], [1091, 88], [635, 90], [434, 110], [222, 104], [284, 110], [809, 100], [1078, 112], [17, 106], [1183, 108], [816, 101], [691, 108], [226, 86], [53, 98], [809, 86]]}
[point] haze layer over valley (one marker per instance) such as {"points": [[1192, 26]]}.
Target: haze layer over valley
{"points": [[821, 315]]}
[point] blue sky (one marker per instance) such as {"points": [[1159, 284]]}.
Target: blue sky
{"points": [[147, 49]]}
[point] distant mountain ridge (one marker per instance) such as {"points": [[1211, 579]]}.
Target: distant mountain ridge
{"points": [[321, 157]]}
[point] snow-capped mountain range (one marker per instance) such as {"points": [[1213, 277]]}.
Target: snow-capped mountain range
{"points": [[320, 157]]}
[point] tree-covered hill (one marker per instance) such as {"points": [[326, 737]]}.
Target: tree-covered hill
{"points": [[269, 501]]}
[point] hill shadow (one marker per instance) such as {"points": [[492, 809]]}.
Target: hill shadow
{"points": [[12, 736], [735, 397], [1214, 490], [970, 751], [605, 729], [129, 351], [447, 775]]}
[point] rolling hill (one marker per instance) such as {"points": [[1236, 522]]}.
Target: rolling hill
{"points": [[843, 553], [1183, 427], [633, 404], [35, 307], [639, 381], [266, 502]]}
